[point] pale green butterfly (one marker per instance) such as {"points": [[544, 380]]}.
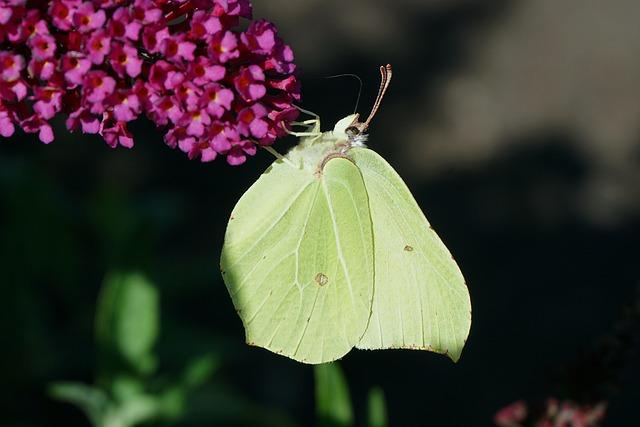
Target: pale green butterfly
{"points": [[328, 250]]}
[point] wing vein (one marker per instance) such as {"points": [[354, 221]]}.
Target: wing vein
{"points": [[271, 227]]}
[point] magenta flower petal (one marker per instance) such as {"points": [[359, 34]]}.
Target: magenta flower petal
{"points": [[236, 156], [45, 133], [208, 154]]}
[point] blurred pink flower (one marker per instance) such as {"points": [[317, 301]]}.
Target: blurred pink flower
{"points": [[554, 414]]}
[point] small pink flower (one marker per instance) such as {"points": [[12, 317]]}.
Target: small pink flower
{"points": [[240, 8], [238, 153], [222, 136], [153, 36], [189, 94], [167, 108], [251, 121], [122, 26], [204, 24], [85, 120], [13, 91], [174, 80], [177, 49], [116, 134], [75, 68], [260, 37], [98, 85], [146, 11], [282, 60], [203, 71], [48, 102], [189, 145], [10, 65], [124, 60], [145, 94], [99, 45], [35, 124], [174, 137], [158, 74], [61, 15], [86, 18], [224, 47], [43, 46], [250, 83], [126, 105], [208, 154], [42, 70], [195, 122], [31, 25], [216, 99]]}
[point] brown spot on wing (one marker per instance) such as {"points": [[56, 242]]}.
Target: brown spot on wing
{"points": [[321, 279]]}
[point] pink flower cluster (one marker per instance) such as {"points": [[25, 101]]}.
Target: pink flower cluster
{"points": [[554, 414], [181, 63]]}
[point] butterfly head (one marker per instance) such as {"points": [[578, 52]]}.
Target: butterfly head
{"points": [[344, 127], [350, 128]]}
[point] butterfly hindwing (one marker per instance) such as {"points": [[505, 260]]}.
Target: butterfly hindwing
{"points": [[420, 297]]}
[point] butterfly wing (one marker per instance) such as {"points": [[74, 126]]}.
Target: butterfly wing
{"points": [[298, 261], [420, 297]]}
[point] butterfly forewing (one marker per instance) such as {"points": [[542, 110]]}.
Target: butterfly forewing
{"points": [[298, 261]]}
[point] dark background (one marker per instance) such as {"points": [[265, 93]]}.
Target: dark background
{"points": [[515, 123]]}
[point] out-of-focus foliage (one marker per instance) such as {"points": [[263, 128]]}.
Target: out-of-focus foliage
{"points": [[127, 321], [126, 393], [376, 408], [333, 401]]}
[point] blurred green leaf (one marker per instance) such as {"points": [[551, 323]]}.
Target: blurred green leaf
{"points": [[127, 320], [333, 404], [199, 370], [376, 408], [94, 402], [126, 387], [134, 411], [172, 404]]}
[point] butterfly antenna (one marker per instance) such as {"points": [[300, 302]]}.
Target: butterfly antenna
{"points": [[385, 73], [359, 89]]}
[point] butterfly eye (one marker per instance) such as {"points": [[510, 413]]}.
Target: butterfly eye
{"points": [[352, 131]]}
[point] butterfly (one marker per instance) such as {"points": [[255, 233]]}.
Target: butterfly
{"points": [[329, 251]]}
